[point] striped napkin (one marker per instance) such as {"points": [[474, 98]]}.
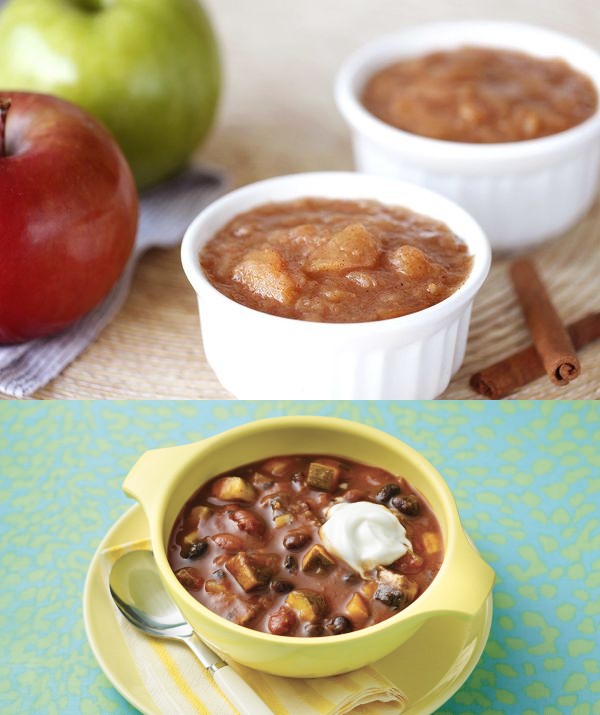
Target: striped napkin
{"points": [[179, 685], [165, 212]]}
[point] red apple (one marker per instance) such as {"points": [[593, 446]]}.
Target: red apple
{"points": [[68, 214]]}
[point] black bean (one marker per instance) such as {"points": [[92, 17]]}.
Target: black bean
{"points": [[339, 625], [391, 597], [386, 492], [281, 586], [290, 564], [196, 550], [219, 574], [408, 505], [313, 630]]}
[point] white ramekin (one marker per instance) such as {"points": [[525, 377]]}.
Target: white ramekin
{"points": [[260, 356], [520, 192]]}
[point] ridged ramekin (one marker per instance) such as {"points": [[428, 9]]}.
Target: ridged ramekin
{"points": [[521, 193], [260, 356]]}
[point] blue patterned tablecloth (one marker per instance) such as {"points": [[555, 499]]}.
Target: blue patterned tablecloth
{"points": [[526, 477]]}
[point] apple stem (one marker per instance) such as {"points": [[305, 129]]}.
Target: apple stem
{"points": [[4, 107]]}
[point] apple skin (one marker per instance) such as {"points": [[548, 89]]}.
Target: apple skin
{"points": [[148, 69], [68, 216]]}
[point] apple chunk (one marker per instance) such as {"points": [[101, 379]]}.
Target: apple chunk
{"points": [[352, 247], [263, 271], [411, 262]]}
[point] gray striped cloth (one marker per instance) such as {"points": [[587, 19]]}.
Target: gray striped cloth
{"points": [[165, 213]]}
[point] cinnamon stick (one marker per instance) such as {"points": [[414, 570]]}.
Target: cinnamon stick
{"points": [[550, 337], [525, 366]]}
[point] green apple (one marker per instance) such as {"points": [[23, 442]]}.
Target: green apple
{"points": [[149, 69]]}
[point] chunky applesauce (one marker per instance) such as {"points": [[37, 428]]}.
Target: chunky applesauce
{"points": [[335, 261], [306, 545], [481, 95]]}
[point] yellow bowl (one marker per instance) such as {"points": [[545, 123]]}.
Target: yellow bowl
{"points": [[162, 480]]}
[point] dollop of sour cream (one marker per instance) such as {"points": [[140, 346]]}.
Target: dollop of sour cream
{"points": [[364, 535]]}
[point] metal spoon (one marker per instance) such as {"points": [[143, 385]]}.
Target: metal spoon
{"points": [[139, 594]]}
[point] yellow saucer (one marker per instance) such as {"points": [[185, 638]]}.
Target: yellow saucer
{"points": [[429, 668]]}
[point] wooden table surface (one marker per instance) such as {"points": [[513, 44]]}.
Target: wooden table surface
{"points": [[278, 117]]}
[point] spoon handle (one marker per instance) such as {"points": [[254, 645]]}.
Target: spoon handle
{"points": [[241, 695]]}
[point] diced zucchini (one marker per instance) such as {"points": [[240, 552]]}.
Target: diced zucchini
{"points": [[242, 612], [432, 542], [310, 605], [233, 489], [323, 477], [317, 561], [190, 578], [215, 587], [357, 609], [247, 572]]}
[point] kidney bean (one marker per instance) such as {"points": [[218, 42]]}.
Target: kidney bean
{"points": [[282, 621], [354, 495], [221, 560], [409, 563], [295, 540], [228, 542], [249, 522]]}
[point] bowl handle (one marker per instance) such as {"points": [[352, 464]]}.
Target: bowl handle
{"points": [[465, 594], [146, 481]]}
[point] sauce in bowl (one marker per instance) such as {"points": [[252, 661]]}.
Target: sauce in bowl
{"points": [[480, 95]]}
